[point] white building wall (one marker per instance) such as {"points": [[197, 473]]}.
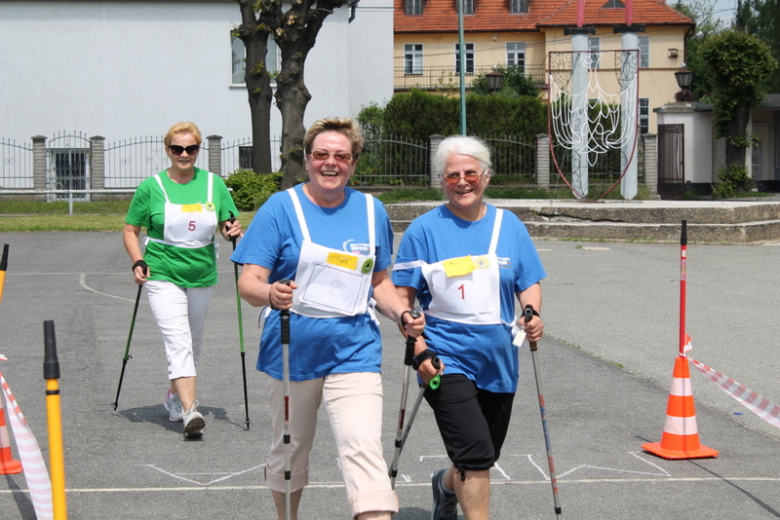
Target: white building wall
{"points": [[130, 69]]}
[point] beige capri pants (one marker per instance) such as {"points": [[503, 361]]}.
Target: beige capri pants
{"points": [[353, 403]]}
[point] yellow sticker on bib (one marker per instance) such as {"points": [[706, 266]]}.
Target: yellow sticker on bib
{"points": [[343, 260], [458, 266], [191, 208]]}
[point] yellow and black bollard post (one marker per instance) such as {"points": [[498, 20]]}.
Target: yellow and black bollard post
{"points": [[3, 267], [51, 373]]}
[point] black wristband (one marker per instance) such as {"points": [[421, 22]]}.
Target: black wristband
{"points": [[142, 264], [421, 358]]}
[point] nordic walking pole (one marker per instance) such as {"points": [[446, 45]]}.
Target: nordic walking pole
{"points": [[408, 361], [51, 373], [528, 313], [284, 320], [433, 384], [240, 327], [127, 348]]}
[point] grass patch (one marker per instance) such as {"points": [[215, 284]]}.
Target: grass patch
{"points": [[410, 195], [26, 215]]}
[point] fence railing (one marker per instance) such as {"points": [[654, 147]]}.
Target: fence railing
{"points": [[393, 161], [130, 161], [15, 164], [447, 78]]}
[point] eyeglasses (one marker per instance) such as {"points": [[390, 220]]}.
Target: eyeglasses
{"points": [[470, 177], [342, 157], [178, 150]]}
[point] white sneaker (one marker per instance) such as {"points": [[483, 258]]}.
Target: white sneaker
{"points": [[173, 405], [193, 421]]}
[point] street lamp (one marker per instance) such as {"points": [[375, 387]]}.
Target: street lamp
{"points": [[494, 80], [684, 78]]}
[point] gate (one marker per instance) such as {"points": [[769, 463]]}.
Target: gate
{"points": [[67, 166], [671, 162]]}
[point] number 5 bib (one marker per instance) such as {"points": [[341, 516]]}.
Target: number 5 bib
{"points": [[332, 283], [467, 289], [189, 226]]}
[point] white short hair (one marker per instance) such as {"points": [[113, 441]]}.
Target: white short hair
{"points": [[462, 145]]}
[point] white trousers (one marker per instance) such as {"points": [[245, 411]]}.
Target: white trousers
{"points": [[180, 314], [354, 406]]}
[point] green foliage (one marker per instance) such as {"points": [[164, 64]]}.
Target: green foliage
{"points": [[418, 115], [251, 190], [515, 82], [762, 18], [370, 119], [738, 65], [744, 141], [702, 13], [734, 179]]}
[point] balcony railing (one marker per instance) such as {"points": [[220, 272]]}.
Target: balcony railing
{"points": [[447, 78]]}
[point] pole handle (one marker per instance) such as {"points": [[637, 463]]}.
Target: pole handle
{"points": [[285, 319], [232, 219], [435, 382], [528, 313], [410, 341]]}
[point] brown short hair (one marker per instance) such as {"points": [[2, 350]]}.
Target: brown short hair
{"points": [[183, 127], [345, 126]]}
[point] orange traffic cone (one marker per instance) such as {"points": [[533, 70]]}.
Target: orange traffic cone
{"points": [[680, 439], [8, 465]]}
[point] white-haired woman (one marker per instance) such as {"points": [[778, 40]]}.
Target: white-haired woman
{"points": [[465, 262]]}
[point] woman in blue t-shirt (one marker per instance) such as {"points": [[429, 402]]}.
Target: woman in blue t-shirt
{"points": [[335, 244], [465, 262]]}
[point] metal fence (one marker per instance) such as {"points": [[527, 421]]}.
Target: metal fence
{"points": [[393, 161], [130, 161], [446, 78], [15, 165], [238, 155], [514, 160]]}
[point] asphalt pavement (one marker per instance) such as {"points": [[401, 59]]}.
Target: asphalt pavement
{"points": [[612, 315]]}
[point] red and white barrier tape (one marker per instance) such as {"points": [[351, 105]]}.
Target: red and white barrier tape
{"points": [[753, 401], [35, 472]]}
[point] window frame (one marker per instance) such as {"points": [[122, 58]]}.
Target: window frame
{"points": [[643, 44], [518, 6], [238, 52], [468, 54], [413, 7], [410, 58], [518, 50]]}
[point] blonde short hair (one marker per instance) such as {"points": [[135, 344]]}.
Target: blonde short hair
{"points": [[345, 126], [180, 128]]}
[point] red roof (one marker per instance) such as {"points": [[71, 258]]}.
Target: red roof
{"points": [[494, 16]]}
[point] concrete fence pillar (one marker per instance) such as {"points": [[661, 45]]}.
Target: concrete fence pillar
{"points": [[436, 140], [651, 162], [542, 151], [215, 154], [39, 164], [97, 162]]}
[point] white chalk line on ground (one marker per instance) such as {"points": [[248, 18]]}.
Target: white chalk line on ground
{"points": [[337, 485]]}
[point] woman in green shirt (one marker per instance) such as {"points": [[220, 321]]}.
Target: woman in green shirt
{"points": [[181, 208]]}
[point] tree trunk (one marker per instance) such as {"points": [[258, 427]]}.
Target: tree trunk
{"points": [[258, 86], [292, 97], [736, 155]]}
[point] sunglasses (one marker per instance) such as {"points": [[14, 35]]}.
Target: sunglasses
{"points": [[341, 157], [470, 177], [178, 150]]}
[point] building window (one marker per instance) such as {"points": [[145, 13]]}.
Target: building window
{"points": [[414, 7], [644, 52], [594, 45], [239, 59], [644, 115], [518, 6], [413, 58], [468, 6], [614, 4], [469, 55], [515, 55]]}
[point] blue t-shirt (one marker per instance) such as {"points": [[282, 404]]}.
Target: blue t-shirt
{"points": [[318, 346], [484, 353]]}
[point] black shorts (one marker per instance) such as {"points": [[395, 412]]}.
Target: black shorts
{"points": [[473, 423]]}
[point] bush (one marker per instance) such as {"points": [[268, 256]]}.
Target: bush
{"points": [[251, 190], [734, 179]]}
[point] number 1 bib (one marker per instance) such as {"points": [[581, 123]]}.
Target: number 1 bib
{"points": [[467, 289]]}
